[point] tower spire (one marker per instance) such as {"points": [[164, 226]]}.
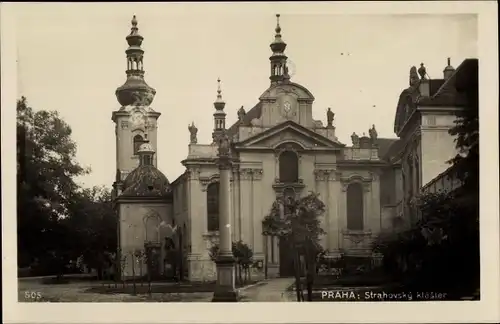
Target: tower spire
{"points": [[135, 91], [219, 115], [279, 70]]}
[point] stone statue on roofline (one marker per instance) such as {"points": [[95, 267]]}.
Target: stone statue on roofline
{"points": [[330, 115], [373, 133], [241, 114], [355, 139], [414, 78], [193, 130]]}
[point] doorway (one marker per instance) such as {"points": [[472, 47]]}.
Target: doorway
{"points": [[286, 268], [153, 255]]}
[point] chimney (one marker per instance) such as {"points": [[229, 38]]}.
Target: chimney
{"points": [[448, 70]]}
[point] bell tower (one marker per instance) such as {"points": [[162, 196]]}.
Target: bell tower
{"points": [[279, 69], [219, 116], [135, 121]]}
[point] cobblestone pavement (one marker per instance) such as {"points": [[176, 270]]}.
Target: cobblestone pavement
{"points": [[272, 290]]}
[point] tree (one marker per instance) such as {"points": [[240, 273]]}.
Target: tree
{"points": [[93, 223], [46, 168], [298, 220], [243, 256], [57, 220], [466, 129]]}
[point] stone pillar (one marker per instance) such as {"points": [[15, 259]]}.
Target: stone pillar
{"points": [[236, 205], [225, 290], [256, 216], [367, 206], [245, 205], [375, 194], [342, 214], [322, 188], [333, 224]]}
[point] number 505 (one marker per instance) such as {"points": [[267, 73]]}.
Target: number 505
{"points": [[32, 295]]}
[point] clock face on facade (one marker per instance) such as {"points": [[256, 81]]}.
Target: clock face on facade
{"points": [[287, 110], [287, 107]]}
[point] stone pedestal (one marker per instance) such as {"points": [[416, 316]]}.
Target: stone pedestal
{"points": [[225, 290]]}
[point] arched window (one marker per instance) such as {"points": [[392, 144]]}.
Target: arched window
{"points": [[138, 140], [213, 207], [152, 226], [289, 167], [355, 207]]}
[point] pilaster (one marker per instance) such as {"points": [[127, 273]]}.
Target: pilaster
{"points": [[246, 205], [258, 247], [322, 176], [375, 214], [197, 211], [236, 210]]}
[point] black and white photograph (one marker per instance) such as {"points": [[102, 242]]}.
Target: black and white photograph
{"points": [[251, 152]]}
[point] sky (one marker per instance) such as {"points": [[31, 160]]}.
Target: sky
{"points": [[71, 58]]}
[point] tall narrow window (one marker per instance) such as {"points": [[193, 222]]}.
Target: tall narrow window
{"points": [[213, 207], [355, 207], [289, 167], [138, 140]]}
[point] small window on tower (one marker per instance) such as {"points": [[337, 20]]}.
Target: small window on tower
{"points": [[138, 140]]}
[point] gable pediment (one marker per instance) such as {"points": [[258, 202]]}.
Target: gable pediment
{"points": [[289, 132], [298, 91]]}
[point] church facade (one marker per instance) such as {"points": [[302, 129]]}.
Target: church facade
{"points": [[277, 149]]}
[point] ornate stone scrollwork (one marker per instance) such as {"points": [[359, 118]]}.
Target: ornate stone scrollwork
{"points": [[257, 174], [245, 174], [375, 176], [346, 181], [325, 174], [193, 173], [205, 181], [288, 146], [251, 173]]}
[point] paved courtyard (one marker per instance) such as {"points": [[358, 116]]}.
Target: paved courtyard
{"points": [[32, 290]]}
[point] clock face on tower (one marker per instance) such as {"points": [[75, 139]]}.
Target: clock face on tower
{"points": [[137, 119]]}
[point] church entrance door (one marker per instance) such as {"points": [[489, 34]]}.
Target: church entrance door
{"points": [[286, 258], [153, 254]]}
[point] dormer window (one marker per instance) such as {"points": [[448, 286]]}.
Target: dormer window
{"points": [[145, 153]]}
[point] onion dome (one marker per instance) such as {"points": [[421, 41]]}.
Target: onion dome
{"points": [[146, 180], [135, 91]]}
